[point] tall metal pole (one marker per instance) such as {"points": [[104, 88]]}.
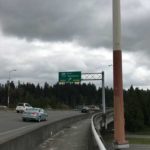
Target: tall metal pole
{"points": [[8, 96], [103, 101], [8, 89], [119, 121], [103, 93]]}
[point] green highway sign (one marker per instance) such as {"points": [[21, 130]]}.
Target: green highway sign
{"points": [[70, 77]]}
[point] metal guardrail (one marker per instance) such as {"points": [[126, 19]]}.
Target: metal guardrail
{"points": [[99, 121], [96, 136]]}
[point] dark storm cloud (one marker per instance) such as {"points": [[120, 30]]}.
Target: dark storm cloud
{"points": [[39, 38], [87, 22], [135, 25], [137, 34]]}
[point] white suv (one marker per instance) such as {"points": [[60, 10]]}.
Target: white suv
{"points": [[21, 107]]}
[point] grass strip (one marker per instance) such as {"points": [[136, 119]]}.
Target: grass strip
{"points": [[138, 140]]}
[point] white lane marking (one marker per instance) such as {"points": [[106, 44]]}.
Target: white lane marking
{"points": [[74, 127]]}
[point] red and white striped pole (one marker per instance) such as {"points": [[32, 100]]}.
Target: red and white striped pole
{"points": [[119, 122]]}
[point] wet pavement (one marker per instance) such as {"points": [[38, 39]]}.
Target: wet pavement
{"points": [[74, 137]]}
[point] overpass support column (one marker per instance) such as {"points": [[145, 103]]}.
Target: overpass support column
{"points": [[119, 122]]}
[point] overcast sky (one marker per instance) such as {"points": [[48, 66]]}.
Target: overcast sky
{"points": [[40, 38]]}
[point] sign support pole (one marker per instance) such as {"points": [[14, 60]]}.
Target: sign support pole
{"points": [[103, 93]]}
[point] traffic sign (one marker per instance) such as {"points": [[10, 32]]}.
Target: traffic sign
{"points": [[70, 77]]}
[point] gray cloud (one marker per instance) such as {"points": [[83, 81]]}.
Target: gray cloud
{"points": [[86, 23], [54, 20], [135, 22]]}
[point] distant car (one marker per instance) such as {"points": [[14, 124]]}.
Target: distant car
{"points": [[78, 107], [94, 108], [36, 114], [21, 107], [85, 109]]}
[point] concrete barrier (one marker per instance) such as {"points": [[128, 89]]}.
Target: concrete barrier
{"points": [[2, 107], [96, 139], [31, 139], [97, 124]]}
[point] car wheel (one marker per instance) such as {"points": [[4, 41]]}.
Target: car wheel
{"points": [[39, 119], [23, 119], [46, 118]]}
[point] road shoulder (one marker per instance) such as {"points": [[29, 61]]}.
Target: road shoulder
{"points": [[74, 137]]}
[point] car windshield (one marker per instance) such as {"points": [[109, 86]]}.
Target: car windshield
{"points": [[85, 107], [33, 109], [20, 104]]}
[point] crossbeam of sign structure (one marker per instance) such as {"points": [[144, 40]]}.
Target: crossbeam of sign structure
{"points": [[91, 76]]}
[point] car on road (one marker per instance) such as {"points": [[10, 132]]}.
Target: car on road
{"points": [[94, 108], [35, 114], [85, 109], [21, 107]]}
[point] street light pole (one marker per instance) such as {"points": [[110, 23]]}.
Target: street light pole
{"points": [[9, 73], [103, 93]]}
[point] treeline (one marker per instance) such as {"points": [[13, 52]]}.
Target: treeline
{"points": [[137, 109], [136, 101], [56, 96]]}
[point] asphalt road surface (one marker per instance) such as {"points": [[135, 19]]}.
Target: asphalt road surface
{"points": [[75, 137], [11, 122]]}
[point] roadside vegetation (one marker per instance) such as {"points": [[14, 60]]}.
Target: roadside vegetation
{"points": [[68, 96], [56, 96], [139, 140]]}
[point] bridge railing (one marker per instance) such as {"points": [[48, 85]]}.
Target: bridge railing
{"points": [[95, 126], [99, 121]]}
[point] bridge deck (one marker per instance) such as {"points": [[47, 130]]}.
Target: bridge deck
{"points": [[74, 137]]}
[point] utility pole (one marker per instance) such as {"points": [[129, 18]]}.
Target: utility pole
{"points": [[103, 93], [119, 121], [103, 101], [8, 96]]}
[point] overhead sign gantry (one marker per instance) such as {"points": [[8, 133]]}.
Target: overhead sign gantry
{"points": [[76, 77]]}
